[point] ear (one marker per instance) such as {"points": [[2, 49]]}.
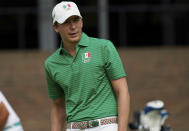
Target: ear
{"points": [[81, 23], [55, 27]]}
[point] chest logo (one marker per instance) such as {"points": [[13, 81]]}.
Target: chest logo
{"points": [[86, 57]]}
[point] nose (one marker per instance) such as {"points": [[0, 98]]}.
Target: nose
{"points": [[72, 24]]}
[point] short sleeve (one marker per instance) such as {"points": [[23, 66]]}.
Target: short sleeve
{"points": [[113, 64], [54, 90]]}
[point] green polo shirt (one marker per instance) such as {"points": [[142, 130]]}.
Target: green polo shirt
{"points": [[84, 79]]}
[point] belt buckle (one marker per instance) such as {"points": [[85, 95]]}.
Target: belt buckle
{"points": [[90, 124], [95, 123]]}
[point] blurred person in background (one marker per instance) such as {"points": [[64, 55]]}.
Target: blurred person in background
{"points": [[9, 120], [85, 78]]}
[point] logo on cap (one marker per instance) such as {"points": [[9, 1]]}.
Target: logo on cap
{"points": [[53, 16], [67, 7]]}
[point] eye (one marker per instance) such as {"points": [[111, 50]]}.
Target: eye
{"points": [[74, 19], [66, 22]]}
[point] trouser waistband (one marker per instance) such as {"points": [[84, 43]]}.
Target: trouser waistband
{"points": [[92, 123]]}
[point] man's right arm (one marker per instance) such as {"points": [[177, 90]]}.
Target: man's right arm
{"points": [[58, 115], [3, 115]]}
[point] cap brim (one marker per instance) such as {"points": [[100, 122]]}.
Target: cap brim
{"points": [[64, 18]]}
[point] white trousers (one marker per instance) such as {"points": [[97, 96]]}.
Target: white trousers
{"points": [[110, 127]]}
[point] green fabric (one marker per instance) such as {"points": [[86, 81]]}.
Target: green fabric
{"points": [[84, 79]]}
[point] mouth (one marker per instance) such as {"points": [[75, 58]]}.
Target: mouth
{"points": [[73, 35]]}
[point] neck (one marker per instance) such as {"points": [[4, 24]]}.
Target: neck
{"points": [[70, 47]]}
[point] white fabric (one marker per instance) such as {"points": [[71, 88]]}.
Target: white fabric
{"points": [[15, 128], [110, 127], [64, 10], [152, 121], [156, 104], [13, 117]]}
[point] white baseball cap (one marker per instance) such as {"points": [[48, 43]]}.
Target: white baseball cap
{"points": [[64, 10]]}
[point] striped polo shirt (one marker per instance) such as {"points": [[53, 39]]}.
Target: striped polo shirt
{"points": [[85, 79]]}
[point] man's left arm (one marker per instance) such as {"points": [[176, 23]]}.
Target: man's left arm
{"points": [[123, 98]]}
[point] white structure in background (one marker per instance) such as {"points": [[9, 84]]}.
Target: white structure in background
{"points": [[47, 37], [103, 19]]}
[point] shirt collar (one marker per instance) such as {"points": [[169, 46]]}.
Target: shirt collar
{"points": [[84, 42]]}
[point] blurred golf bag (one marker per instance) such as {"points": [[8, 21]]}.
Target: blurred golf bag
{"points": [[152, 118]]}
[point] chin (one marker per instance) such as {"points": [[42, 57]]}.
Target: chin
{"points": [[75, 39]]}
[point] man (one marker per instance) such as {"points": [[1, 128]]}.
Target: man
{"points": [[85, 78], [9, 120]]}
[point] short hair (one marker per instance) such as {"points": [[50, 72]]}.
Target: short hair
{"points": [[56, 23]]}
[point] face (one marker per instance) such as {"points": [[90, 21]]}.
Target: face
{"points": [[71, 30]]}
